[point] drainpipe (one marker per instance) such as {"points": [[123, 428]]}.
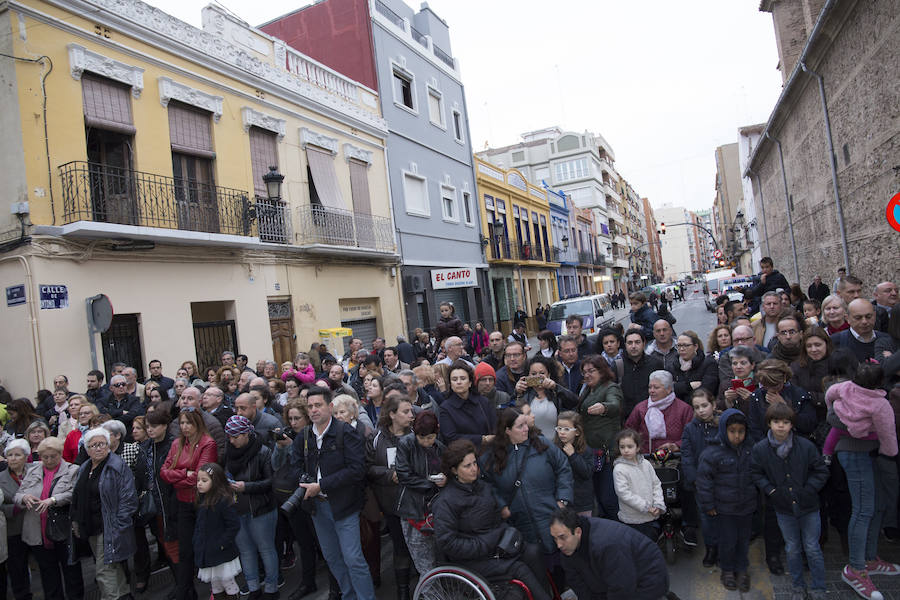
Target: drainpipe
{"points": [[762, 205], [787, 204], [32, 318], [832, 162]]}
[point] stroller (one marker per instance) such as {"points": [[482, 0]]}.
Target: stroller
{"points": [[667, 466]]}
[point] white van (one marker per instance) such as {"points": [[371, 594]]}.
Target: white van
{"points": [[590, 308]]}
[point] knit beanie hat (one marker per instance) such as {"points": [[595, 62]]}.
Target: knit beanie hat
{"points": [[236, 425], [483, 369]]}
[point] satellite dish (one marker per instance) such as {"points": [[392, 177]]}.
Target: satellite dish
{"points": [[100, 313]]}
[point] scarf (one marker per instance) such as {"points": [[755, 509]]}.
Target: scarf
{"points": [[656, 422], [782, 449], [237, 458], [686, 365]]}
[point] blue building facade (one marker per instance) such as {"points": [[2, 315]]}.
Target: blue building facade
{"points": [[566, 277]]}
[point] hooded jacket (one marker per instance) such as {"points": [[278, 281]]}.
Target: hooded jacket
{"points": [[724, 480], [863, 410], [448, 327]]}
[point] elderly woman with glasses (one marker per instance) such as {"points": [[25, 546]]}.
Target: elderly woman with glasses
{"points": [[48, 486], [73, 443], [36, 433], [128, 451], [16, 453], [103, 503]]}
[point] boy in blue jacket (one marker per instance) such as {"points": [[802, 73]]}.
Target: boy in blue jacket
{"points": [[725, 491], [790, 472]]}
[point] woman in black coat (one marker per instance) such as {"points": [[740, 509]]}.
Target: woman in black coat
{"points": [[465, 414], [394, 423], [694, 369], [467, 525], [418, 470]]}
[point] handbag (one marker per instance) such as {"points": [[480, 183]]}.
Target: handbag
{"points": [[147, 508], [59, 523], [511, 542]]}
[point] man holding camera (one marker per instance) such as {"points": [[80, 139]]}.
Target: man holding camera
{"points": [[331, 459]]}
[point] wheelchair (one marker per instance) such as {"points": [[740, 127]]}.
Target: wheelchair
{"points": [[449, 582]]}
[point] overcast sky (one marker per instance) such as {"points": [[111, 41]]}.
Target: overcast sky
{"points": [[664, 82]]}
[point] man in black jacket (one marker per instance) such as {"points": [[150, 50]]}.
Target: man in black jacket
{"points": [[770, 280], [606, 559], [331, 456], [120, 404], [633, 371], [818, 290]]}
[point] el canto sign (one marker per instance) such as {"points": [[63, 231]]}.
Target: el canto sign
{"points": [[442, 279]]}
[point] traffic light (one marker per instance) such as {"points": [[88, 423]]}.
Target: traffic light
{"points": [[662, 228]]}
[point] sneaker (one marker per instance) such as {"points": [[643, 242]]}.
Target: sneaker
{"points": [[744, 582], [690, 536], [280, 580], [860, 583], [288, 562], [882, 567], [728, 580]]}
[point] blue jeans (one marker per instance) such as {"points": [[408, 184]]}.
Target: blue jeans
{"points": [[801, 534], [865, 521], [339, 540], [734, 541], [257, 536]]}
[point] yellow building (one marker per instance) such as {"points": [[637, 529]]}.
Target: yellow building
{"points": [[135, 149], [519, 248]]}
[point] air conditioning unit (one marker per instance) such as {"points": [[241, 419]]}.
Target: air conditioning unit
{"points": [[413, 283]]}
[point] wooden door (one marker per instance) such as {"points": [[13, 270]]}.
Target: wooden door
{"points": [[281, 325]]}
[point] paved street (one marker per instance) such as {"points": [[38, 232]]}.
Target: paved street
{"points": [[689, 579]]}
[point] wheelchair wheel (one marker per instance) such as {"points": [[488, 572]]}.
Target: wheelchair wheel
{"points": [[452, 583]]}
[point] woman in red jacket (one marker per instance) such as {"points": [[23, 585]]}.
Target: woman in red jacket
{"points": [[193, 449]]}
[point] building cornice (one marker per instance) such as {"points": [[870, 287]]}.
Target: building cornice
{"points": [[254, 118], [173, 90], [158, 29]]}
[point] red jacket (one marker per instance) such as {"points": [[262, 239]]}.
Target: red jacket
{"points": [[677, 416], [70, 446], [190, 459]]}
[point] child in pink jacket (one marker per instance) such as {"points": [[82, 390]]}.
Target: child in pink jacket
{"points": [[866, 413], [302, 370]]}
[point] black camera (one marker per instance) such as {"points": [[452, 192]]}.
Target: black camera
{"points": [[297, 499], [283, 433]]}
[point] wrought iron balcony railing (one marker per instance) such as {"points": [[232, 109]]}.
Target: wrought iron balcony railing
{"points": [[107, 194], [320, 224], [521, 252]]}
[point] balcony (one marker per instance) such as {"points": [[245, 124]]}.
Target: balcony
{"points": [[337, 227], [520, 252], [100, 193]]}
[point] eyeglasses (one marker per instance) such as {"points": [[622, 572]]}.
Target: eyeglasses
{"points": [[188, 409], [97, 445], [117, 385], [683, 345], [564, 429]]}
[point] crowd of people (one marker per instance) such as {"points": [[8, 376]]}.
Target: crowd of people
{"points": [[470, 452]]}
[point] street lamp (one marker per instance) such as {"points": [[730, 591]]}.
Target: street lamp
{"points": [[565, 242], [273, 180]]}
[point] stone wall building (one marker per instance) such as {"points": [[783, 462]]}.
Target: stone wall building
{"points": [[848, 61]]}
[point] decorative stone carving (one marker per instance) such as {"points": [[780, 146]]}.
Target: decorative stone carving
{"points": [[147, 23], [307, 136], [172, 90], [255, 118], [351, 151], [81, 59]]}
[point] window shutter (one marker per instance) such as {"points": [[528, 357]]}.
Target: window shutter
{"points": [[107, 104], [263, 154], [189, 130], [359, 187], [321, 165]]}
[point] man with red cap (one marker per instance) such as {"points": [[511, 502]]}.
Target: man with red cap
{"points": [[486, 385]]}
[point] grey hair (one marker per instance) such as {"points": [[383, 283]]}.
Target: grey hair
{"points": [[663, 377], [115, 426], [228, 353], [96, 431], [835, 298], [400, 339], [347, 401], [770, 293], [748, 352], [117, 378], [409, 372], [271, 362], [184, 379]]}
